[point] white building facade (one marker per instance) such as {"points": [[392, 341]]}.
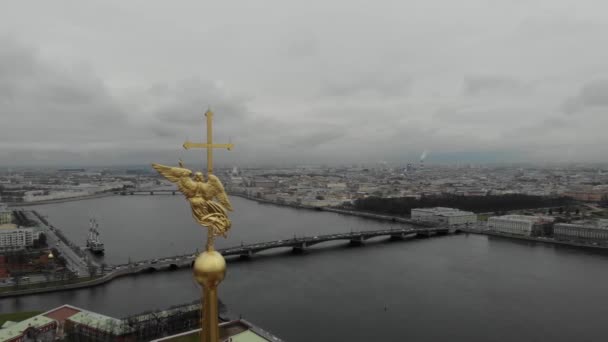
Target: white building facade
{"points": [[16, 239], [440, 215], [567, 231], [517, 224]]}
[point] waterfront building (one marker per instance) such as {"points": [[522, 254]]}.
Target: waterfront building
{"points": [[567, 231], [441, 215], [39, 328], [519, 224], [16, 238], [56, 323], [235, 331], [42, 195], [586, 196], [70, 323], [6, 215], [4, 272]]}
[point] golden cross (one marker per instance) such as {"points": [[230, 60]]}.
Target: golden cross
{"points": [[209, 145]]}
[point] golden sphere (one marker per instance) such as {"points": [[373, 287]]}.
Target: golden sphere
{"points": [[209, 268]]}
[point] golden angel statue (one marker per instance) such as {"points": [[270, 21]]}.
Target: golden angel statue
{"points": [[200, 194]]}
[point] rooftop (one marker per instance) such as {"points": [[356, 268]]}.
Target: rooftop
{"points": [[99, 321], [527, 218], [238, 331], [17, 329]]}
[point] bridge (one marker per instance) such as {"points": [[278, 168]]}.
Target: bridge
{"points": [[297, 245], [146, 192]]}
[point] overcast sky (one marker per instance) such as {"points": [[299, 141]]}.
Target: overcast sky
{"points": [[126, 82]]}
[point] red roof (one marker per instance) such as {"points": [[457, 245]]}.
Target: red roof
{"points": [[62, 313]]}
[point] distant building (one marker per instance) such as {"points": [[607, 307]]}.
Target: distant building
{"points": [[233, 331], [4, 272], [264, 183], [16, 238], [39, 328], [519, 224], [337, 186], [440, 215], [6, 216], [69, 323], [59, 322], [586, 196], [567, 231]]}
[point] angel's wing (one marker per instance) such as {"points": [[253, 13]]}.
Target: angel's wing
{"points": [[173, 174], [218, 191], [178, 175]]}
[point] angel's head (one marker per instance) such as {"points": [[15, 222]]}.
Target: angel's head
{"points": [[198, 176]]}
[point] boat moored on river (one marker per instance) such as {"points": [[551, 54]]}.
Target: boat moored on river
{"points": [[93, 242]]}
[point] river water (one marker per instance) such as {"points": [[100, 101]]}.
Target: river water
{"points": [[451, 288]]}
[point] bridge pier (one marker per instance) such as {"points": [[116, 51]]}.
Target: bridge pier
{"points": [[423, 234], [246, 254], [398, 236], [299, 248], [357, 240]]}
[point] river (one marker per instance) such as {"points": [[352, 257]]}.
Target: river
{"points": [[450, 288]]}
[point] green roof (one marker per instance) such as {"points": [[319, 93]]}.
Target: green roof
{"points": [[17, 329], [237, 331], [248, 336], [98, 321]]}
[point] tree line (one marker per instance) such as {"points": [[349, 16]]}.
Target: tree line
{"points": [[493, 203]]}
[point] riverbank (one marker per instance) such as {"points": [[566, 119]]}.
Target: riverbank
{"points": [[61, 200], [261, 200], [373, 216], [547, 240]]}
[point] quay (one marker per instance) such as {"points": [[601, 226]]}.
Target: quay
{"points": [[542, 239], [146, 192], [297, 245], [373, 216]]}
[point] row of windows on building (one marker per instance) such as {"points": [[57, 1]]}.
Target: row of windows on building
{"points": [[513, 224], [442, 215], [533, 225], [17, 238], [576, 231], [6, 216]]}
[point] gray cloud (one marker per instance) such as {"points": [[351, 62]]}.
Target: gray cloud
{"points": [[368, 84], [118, 82], [490, 85], [48, 104], [592, 95], [178, 102]]}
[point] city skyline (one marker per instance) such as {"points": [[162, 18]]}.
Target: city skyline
{"points": [[118, 83]]}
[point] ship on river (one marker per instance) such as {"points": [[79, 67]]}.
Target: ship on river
{"points": [[93, 242]]}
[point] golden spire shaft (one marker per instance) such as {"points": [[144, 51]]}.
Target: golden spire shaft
{"points": [[209, 266], [209, 115], [209, 271], [210, 331]]}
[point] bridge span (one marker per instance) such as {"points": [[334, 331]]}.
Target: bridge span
{"points": [[297, 245], [147, 192], [245, 251]]}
